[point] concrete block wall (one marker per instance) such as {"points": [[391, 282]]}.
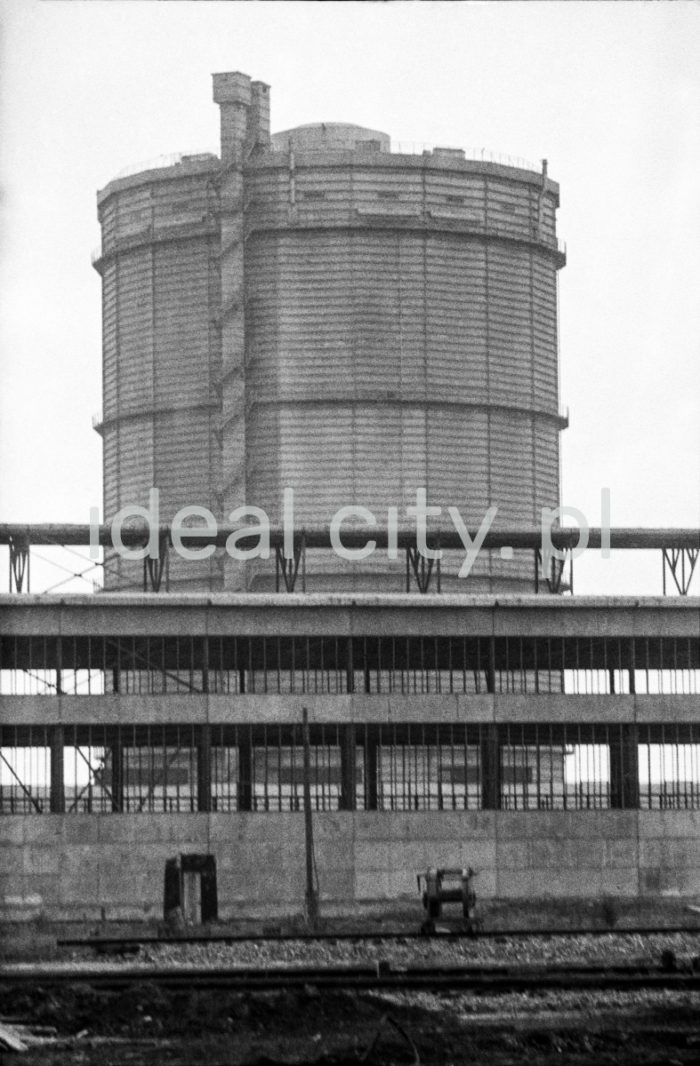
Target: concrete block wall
{"points": [[390, 852], [567, 854], [72, 867], [669, 853]]}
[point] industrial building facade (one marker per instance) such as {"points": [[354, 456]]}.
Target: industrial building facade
{"points": [[549, 742], [315, 312]]}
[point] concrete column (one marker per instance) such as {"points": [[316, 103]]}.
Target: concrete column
{"points": [[371, 755], [490, 751], [347, 768], [624, 766], [116, 752], [490, 767], [204, 769], [632, 668], [245, 770], [59, 666], [491, 668], [57, 790], [205, 664], [204, 797], [349, 667]]}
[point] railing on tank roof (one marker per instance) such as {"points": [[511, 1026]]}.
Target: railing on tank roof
{"points": [[478, 155], [160, 162]]}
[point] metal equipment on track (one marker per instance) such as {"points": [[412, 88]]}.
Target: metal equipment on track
{"points": [[436, 894]]}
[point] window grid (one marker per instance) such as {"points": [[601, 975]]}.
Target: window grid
{"points": [[305, 665], [389, 767]]}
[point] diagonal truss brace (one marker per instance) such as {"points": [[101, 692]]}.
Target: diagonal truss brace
{"points": [[289, 568], [27, 791], [555, 579], [94, 772], [155, 569], [680, 564], [421, 569], [19, 563]]}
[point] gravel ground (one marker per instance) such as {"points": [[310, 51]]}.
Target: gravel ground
{"points": [[598, 1007], [543, 950], [379, 1028]]}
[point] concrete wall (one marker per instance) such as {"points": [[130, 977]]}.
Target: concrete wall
{"points": [[72, 867]]}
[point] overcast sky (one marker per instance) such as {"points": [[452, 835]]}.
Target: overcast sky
{"points": [[608, 93]]}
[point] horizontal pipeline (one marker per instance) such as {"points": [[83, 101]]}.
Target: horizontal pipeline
{"points": [[136, 534]]}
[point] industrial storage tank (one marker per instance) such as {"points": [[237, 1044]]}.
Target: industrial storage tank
{"points": [[160, 420], [318, 313], [400, 333]]}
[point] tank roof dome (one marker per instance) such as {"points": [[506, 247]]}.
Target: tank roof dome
{"points": [[333, 137]]}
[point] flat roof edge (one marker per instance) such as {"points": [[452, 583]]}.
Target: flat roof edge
{"points": [[292, 600]]}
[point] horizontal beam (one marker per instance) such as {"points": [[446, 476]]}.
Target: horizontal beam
{"points": [[349, 614], [546, 709]]}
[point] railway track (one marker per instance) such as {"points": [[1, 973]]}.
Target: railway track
{"points": [[382, 975], [125, 941]]}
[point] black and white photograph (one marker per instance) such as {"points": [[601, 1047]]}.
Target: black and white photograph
{"points": [[349, 533]]}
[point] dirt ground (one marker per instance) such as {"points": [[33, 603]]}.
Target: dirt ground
{"points": [[147, 1025]]}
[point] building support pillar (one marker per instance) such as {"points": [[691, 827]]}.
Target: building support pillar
{"points": [[204, 769], [347, 768], [490, 767], [57, 794], [116, 755], [245, 769], [371, 788], [491, 667], [624, 767], [349, 667]]}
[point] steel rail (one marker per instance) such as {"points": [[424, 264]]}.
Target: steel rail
{"points": [[382, 975], [126, 941]]}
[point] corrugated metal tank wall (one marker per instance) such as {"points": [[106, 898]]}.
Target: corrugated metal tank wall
{"points": [[350, 323], [161, 353], [401, 332]]}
